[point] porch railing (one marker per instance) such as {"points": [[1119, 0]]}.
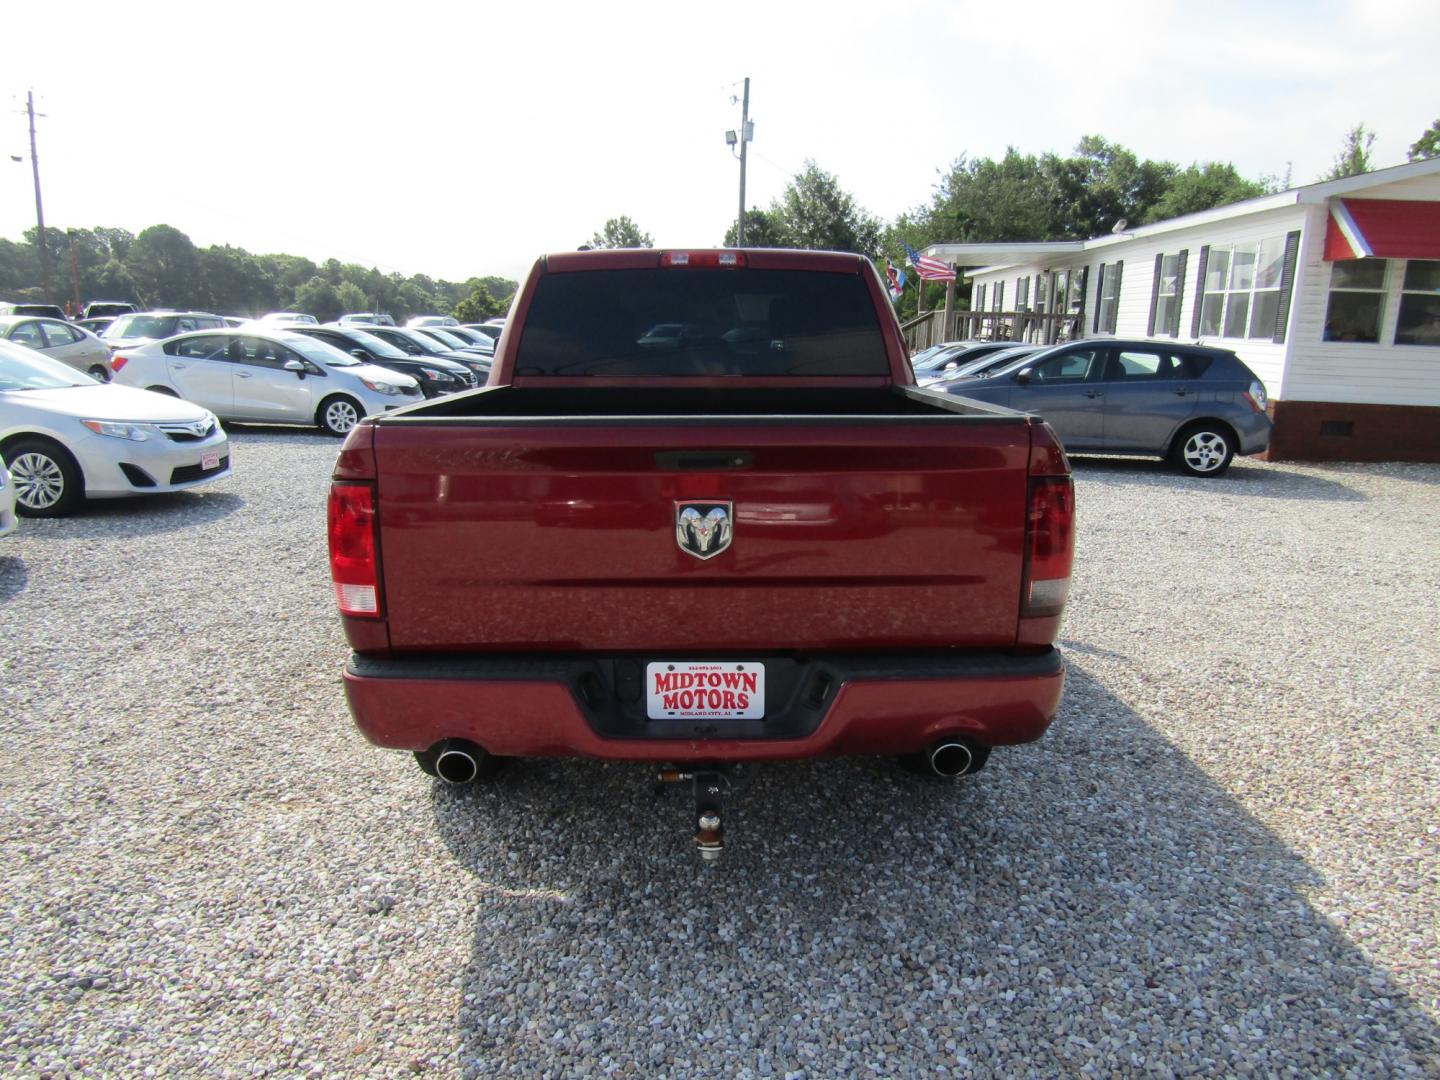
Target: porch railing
{"points": [[1021, 327]]}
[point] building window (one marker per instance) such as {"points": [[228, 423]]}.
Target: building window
{"points": [[999, 302], [1357, 300], [1420, 304], [979, 304], [1165, 299], [1022, 292], [1242, 290], [1107, 305]]}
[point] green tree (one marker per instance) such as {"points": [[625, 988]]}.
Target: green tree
{"points": [[166, 269], [1428, 145], [1202, 187], [237, 282], [478, 306], [762, 230], [1354, 156], [815, 212], [351, 297], [318, 297], [621, 232]]}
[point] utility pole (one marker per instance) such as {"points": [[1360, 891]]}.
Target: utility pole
{"points": [[74, 271], [39, 207], [744, 138]]}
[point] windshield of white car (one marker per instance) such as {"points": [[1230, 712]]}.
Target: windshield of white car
{"points": [[142, 326], [321, 352], [22, 373]]}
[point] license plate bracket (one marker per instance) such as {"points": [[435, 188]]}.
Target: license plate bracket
{"points": [[705, 690]]}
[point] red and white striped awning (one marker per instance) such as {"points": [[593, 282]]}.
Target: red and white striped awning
{"points": [[1382, 229]]}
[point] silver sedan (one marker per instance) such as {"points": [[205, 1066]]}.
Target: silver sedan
{"points": [[7, 502], [274, 376], [61, 341], [66, 437]]}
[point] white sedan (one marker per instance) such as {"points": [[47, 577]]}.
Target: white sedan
{"points": [[66, 437], [255, 376], [59, 340], [7, 502]]}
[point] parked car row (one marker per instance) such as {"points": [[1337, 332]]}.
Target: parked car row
{"points": [[266, 376], [1197, 405]]}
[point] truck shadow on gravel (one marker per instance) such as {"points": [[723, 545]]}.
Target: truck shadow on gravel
{"points": [[13, 577], [1093, 899], [1243, 478]]}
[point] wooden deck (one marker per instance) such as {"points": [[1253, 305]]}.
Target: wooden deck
{"points": [[1021, 327]]}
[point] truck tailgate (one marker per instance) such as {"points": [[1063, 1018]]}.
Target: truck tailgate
{"points": [[563, 536]]}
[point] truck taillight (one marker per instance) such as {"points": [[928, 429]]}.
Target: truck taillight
{"points": [[702, 258], [117, 361], [1049, 546], [353, 564]]}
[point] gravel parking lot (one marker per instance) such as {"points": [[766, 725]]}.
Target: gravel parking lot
{"points": [[1221, 861]]}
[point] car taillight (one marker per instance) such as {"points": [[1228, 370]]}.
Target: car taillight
{"points": [[702, 258], [353, 564], [117, 361], [1049, 527], [1256, 396]]}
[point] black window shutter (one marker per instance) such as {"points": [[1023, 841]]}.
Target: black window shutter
{"points": [[1199, 290], [1119, 283], [1099, 292], [1000, 296], [1174, 328], [1084, 285], [1154, 296], [1287, 285]]}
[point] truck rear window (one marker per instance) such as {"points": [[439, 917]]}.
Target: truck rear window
{"points": [[672, 321]]}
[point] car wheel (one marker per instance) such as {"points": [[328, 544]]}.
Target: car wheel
{"points": [[1204, 449], [99, 373], [162, 390], [337, 415], [47, 480]]}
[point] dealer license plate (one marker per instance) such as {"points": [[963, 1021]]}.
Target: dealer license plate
{"points": [[210, 460], [704, 690]]}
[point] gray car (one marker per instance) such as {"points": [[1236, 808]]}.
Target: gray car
{"points": [[1196, 405]]}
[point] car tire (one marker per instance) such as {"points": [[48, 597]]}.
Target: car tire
{"points": [[162, 390], [338, 414], [48, 482], [99, 373], [1204, 449]]}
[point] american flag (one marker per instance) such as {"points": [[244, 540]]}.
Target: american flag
{"points": [[929, 269]]}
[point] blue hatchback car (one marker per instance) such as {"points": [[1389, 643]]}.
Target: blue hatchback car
{"points": [[1196, 405]]}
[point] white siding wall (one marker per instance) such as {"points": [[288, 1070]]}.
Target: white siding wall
{"points": [[1365, 374], [1137, 281]]}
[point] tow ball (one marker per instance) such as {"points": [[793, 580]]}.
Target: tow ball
{"points": [[710, 788]]}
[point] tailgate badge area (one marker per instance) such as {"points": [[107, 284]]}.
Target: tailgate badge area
{"points": [[703, 528]]}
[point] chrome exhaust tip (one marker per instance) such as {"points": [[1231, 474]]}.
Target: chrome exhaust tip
{"points": [[458, 761], [950, 759]]}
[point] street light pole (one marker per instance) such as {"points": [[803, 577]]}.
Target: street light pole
{"points": [[39, 207], [744, 138]]}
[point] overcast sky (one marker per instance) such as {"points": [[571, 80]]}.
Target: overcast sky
{"points": [[465, 139]]}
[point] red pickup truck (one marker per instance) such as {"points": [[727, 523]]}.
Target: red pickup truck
{"points": [[701, 515]]}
